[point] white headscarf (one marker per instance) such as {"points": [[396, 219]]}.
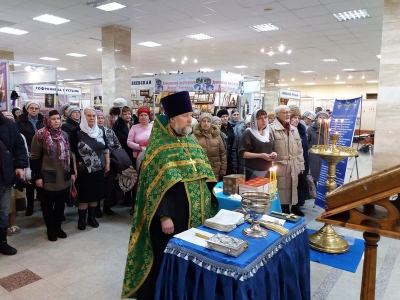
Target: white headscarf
{"points": [[264, 138], [95, 132]]}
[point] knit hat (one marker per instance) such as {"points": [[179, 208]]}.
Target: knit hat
{"points": [[64, 107], [205, 115], [99, 113], [29, 102], [143, 109], [248, 119], [295, 113], [215, 118], [322, 112], [293, 106], [222, 112], [177, 104], [71, 109], [309, 115], [119, 102]]}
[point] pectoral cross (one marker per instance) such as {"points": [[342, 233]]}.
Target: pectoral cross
{"points": [[193, 164]]}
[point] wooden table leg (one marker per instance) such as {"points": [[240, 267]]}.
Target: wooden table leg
{"points": [[369, 267]]}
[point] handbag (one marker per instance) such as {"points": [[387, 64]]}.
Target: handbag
{"points": [[312, 191], [73, 199]]}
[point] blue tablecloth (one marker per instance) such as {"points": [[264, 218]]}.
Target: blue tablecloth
{"points": [[275, 268], [230, 204]]}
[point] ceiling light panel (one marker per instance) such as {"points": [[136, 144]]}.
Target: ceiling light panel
{"points": [[372, 81], [241, 67], [76, 54], [306, 72], [352, 15], [61, 69], [264, 27], [339, 82], [200, 37], [283, 63], [206, 70], [14, 31], [329, 60], [349, 70], [149, 44], [309, 83], [48, 58], [111, 6], [51, 19], [148, 74]]}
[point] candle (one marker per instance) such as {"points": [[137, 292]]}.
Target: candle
{"points": [[326, 132], [335, 125], [319, 130]]}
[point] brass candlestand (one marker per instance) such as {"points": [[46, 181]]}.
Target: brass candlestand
{"points": [[326, 239]]}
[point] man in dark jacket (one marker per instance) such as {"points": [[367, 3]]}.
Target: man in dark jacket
{"points": [[227, 128], [73, 118], [13, 157], [28, 123]]}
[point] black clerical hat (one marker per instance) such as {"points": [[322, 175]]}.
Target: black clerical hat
{"points": [[177, 104]]}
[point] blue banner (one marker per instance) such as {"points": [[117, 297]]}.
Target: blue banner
{"points": [[342, 122]]}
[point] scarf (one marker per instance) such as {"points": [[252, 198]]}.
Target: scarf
{"points": [[264, 138], [47, 134], [285, 125], [33, 121], [94, 132]]}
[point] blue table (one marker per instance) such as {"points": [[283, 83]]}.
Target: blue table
{"points": [[275, 268], [230, 204]]}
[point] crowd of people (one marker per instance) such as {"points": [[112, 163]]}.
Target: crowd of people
{"points": [[178, 160]]}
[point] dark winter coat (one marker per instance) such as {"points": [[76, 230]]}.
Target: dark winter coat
{"points": [[69, 125], [122, 132], [228, 130], [315, 161], [237, 162], [15, 156], [213, 146], [26, 128]]}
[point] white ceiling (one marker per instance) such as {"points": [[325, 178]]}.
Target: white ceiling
{"points": [[308, 28]]}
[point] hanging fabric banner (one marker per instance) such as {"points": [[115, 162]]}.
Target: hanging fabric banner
{"points": [[342, 122], [3, 87]]}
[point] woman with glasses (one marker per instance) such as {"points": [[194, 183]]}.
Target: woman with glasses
{"points": [[256, 146], [28, 124]]}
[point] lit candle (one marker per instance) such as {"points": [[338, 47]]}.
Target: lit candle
{"points": [[319, 130], [335, 125], [326, 132]]}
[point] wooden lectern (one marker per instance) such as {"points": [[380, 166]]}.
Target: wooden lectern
{"points": [[370, 204]]}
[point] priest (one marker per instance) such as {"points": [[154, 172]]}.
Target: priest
{"points": [[173, 194]]}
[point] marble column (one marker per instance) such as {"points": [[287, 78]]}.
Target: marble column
{"points": [[116, 64], [271, 94], [387, 131]]}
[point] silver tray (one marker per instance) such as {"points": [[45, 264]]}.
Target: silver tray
{"points": [[227, 244]]}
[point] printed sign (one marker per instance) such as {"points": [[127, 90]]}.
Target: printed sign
{"points": [[51, 89], [289, 94]]}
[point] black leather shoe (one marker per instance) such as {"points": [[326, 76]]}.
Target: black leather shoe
{"points": [[297, 211], [61, 233], [98, 212], [91, 217], [82, 219]]}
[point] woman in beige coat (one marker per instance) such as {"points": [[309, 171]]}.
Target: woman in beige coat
{"points": [[208, 137]]}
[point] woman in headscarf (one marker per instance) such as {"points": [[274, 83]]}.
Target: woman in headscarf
{"points": [[51, 165], [92, 160], [256, 146], [16, 111], [64, 112]]}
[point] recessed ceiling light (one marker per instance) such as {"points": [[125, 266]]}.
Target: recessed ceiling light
{"points": [[17, 65], [183, 62], [352, 15], [262, 50], [200, 36], [264, 27], [329, 60], [363, 77], [348, 70], [379, 56], [195, 61], [306, 72], [289, 51], [48, 58], [350, 77], [149, 44], [10, 30], [241, 67], [281, 84], [148, 73], [173, 59], [326, 77], [67, 79], [309, 83], [339, 82], [51, 19], [111, 6], [76, 54], [281, 47], [99, 49], [61, 69], [206, 70], [270, 53], [185, 58], [337, 77], [372, 81], [292, 79], [283, 63]]}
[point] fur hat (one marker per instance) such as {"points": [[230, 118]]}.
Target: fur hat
{"points": [[309, 115], [29, 102], [205, 115], [295, 113], [177, 104], [119, 102], [143, 109], [222, 112], [71, 109], [215, 118]]}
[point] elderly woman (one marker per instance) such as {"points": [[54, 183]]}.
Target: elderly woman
{"points": [[51, 165], [64, 112], [28, 123], [207, 135], [256, 146], [138, 137], [113, 143], [91, 158]]}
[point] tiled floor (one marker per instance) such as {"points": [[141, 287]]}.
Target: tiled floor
{"points": [[90, 264]]}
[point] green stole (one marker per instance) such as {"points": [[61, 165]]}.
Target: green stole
{"points": [[166, 163]]}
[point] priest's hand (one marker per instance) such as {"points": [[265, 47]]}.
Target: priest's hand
{"points": [[167, 226]]}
